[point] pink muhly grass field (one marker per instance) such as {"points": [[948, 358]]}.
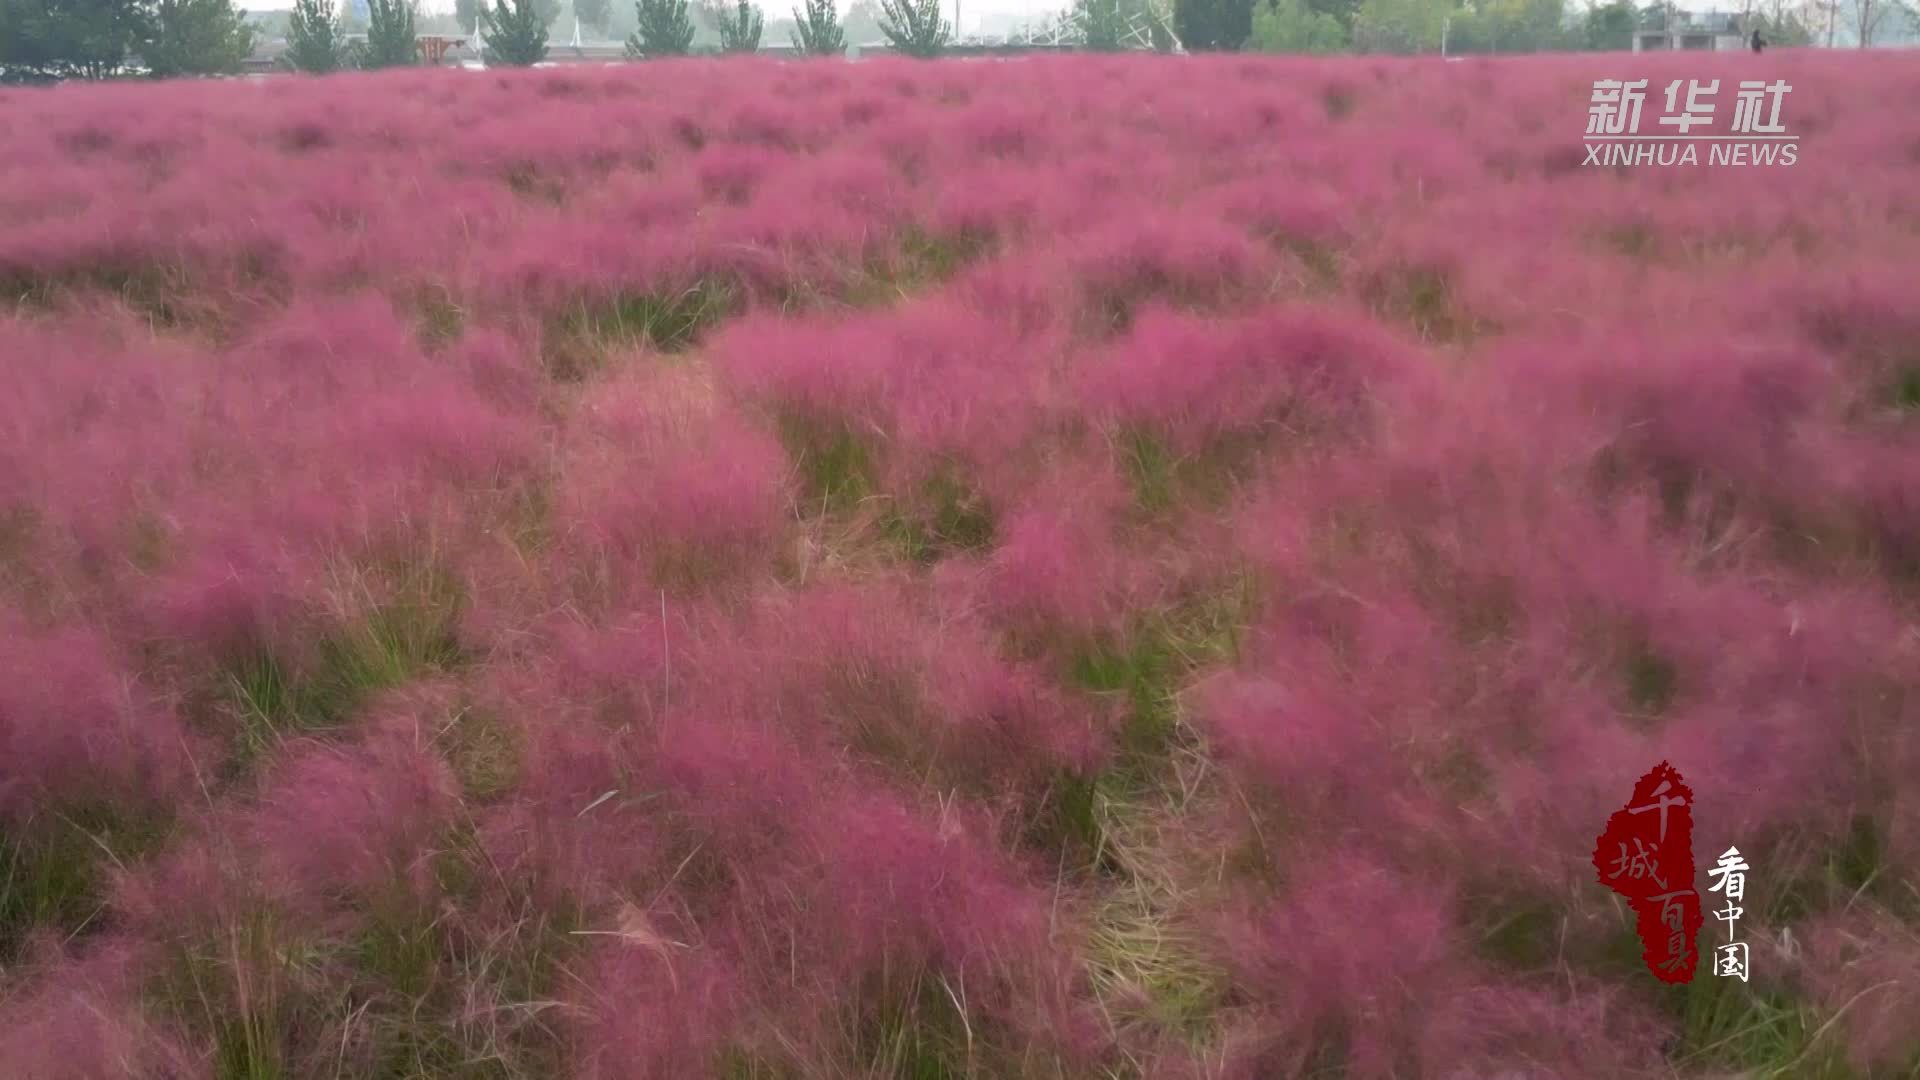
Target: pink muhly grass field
{"points": [[1085, 567]]}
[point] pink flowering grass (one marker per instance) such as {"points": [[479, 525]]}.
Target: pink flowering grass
{"points": [[1092, 566]]}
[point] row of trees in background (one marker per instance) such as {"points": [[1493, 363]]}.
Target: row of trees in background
{"points": [[1305, 26], [317, 41], [48, 40], [915, 27], [1463, 26], [515, 32], [43, 40], [660, 28], [1497, 26], [666, 28]]}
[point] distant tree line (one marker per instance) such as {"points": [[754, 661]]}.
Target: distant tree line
{"points": [[517, 31], [1418, 26], [318, 40], [46, 40], [917, 28], [49, 40], [653, 29], [1465, 26], [672, 27]]}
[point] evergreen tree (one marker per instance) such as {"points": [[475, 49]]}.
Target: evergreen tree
{"points": [[666, 29], [515, 35], [1608, 26], [1341, 11], [818, 32], [862, 22], [196, 37], [58, 39], [1290, 26], [313, 37], [1213, 25], [390, 40], [1102, 24], [1399, 26], [1783, 26], [1514, 26], [594, 14], [467, 13], [740, 29], [915, 27]]}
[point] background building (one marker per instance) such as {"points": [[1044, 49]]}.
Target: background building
{"points": [[1710, 30]]}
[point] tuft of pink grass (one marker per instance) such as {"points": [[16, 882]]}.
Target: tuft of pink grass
{"points": [[363, 823], [1194, 381], [1861, 968], [80, 1018], [78, 729], [1357, 950], [662, 479]]}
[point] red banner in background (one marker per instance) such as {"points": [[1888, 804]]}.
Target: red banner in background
{"points": [[434, 49], [1646, 855]]}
